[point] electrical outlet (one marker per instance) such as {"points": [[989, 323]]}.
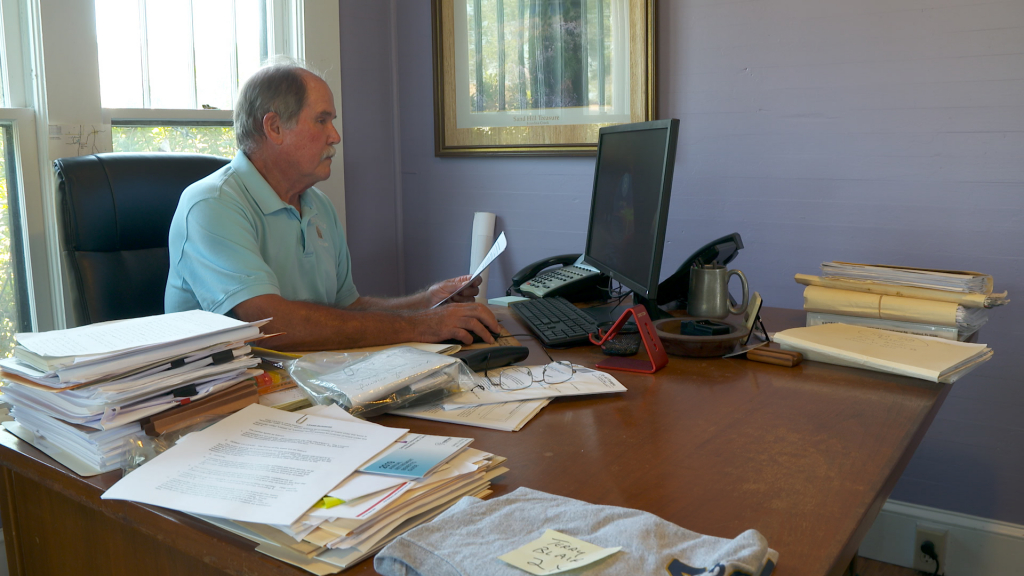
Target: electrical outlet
{"points": [[939, 537]]}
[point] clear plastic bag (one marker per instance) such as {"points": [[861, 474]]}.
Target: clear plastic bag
{"points": [[367, 384], [142, 448]]}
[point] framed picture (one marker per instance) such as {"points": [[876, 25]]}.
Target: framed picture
{"points": [[539, 77]]}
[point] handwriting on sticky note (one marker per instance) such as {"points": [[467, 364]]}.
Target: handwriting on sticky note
{"points": [[555, 552]]}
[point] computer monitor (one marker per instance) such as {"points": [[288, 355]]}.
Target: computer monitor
{"points": [[629, 208]]}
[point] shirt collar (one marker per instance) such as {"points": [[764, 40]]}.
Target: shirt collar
{"points": [[258, 188]]}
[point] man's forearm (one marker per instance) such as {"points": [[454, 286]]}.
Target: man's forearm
{"points": [[307, 326], [425, 298], [418, 301]]}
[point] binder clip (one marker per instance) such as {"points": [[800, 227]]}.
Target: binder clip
{"points": [[657, 357]]}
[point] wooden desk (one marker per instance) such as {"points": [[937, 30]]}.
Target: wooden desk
{"points": [[805, 455]]}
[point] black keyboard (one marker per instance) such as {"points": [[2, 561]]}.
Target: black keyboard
{"points": [[555, 321]]}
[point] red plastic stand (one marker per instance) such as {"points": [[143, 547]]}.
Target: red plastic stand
{"points": [[655, 349]]}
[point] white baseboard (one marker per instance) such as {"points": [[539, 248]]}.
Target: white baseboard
{"points": [[976, 546]]}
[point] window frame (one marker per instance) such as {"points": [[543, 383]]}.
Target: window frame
{"points": [[53, 77], [30, 213]]}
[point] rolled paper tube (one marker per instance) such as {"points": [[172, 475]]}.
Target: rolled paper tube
{"points": [[483, 237]]}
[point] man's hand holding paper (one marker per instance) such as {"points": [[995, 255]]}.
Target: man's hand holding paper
{"points": [[471, 283]]}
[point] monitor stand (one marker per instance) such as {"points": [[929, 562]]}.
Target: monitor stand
{"points": [[605, 314], [655, 311]]}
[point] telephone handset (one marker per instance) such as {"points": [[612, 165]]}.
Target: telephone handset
{"points": [[577, 281], [572, 280], [676, 288]]}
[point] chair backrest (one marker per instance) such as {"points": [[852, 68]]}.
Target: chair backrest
{"points": [[115, 212]]}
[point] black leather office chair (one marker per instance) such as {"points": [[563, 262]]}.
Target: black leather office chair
{"points": [[115, 211]]}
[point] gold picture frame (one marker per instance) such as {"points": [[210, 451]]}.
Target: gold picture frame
{"points": [[575, 67]]}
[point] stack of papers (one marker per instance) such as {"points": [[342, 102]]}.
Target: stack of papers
{"points": [[489, 406], [947, 280], [896, 308], [67, 385], [924, 357], [86, 451], [506, 416], [317, 488]]}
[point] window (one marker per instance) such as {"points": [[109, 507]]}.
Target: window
{"points": [[18, 172], [215, 140], [160, 61], [179, 54], [13, 287]]}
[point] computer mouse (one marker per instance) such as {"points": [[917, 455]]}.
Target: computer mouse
{"points": [[494, 357], [476, 339]]}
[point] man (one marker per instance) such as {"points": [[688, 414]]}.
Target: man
{"points": [[256, 240]]}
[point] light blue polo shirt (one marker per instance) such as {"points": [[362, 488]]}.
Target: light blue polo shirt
{"points": [[233, 238]]}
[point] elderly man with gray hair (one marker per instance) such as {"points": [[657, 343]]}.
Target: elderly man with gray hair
{"points": [[256, 240]]}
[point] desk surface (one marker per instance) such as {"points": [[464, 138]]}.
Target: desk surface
{"points": [[805, 455]]}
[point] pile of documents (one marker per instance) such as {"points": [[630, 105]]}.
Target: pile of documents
{"points": [[276, 387], [317, 488], [942, 303], [489, 406], [76, 394], [924, 357]]}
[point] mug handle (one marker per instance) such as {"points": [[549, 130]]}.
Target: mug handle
{"points": [[742, 306]]}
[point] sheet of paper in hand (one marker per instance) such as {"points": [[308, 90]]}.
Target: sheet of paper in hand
{"points": [[496, 249]]}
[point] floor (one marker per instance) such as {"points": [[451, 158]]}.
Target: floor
{"points": [[868, 567]]}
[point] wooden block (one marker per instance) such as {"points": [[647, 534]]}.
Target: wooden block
{"points": [[775, 356]]}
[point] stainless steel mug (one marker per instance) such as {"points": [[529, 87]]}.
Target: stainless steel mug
{"points": [[709, 292]]}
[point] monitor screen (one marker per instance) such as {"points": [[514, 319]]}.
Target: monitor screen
{"points": [[629, 209]]}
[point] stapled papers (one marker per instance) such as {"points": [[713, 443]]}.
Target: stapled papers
{"points": [[62, 358], [375, 508], [257, 465]]}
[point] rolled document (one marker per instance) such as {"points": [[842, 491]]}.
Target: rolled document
{"points": [[867, 305], [483, 237]]}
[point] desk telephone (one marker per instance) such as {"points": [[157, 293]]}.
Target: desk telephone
{"points": [[577, 281], [572, 280]]}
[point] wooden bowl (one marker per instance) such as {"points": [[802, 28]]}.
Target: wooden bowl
{"points": [[698, 346]]}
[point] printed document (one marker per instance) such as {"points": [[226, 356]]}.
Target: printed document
{"points": [[258, 465], [416, 455], [111, 337], [507, 416], [488, 391]]}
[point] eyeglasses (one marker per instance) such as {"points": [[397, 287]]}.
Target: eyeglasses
{"points": [[520, 377]]}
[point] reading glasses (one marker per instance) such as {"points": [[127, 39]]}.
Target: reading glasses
{"points": [[520, 377]]}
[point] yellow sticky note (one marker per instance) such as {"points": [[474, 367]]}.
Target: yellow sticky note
{"points": [[555, 552], [328, 502]]}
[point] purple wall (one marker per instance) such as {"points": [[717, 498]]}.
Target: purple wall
{"points": [[882, 132], [368, 132]]}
